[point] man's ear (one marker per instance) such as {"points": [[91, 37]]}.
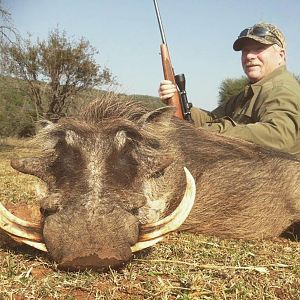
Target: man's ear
{"points": [[282, 56]]}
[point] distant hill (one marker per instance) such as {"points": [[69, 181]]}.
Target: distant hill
{"points": [[18, 114]]}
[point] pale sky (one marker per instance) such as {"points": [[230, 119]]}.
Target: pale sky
{"points": [[199, 33]]}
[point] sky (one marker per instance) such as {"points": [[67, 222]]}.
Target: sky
{"points": [[199, 34]]}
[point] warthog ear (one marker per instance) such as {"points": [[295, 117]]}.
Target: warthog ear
{"points": [[160, 115]]}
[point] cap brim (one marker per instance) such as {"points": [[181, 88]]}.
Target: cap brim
{"points": [[239, 43]]}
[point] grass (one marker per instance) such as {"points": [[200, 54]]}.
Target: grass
{"points": [[183, 266]]}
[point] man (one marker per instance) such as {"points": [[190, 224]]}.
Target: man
{"points": [[267, 112]]}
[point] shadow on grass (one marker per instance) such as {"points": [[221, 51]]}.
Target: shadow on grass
{"points": [[292, 233], [4, 147]]}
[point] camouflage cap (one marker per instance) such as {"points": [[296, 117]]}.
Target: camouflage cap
{"points": [[264, 33]]}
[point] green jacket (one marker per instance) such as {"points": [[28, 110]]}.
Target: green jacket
{"points": [[266, 113]]}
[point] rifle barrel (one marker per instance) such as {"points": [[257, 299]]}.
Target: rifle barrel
{"points": [[161, 28]]}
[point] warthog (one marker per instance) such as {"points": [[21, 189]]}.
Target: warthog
{"points": [[119, 166]]}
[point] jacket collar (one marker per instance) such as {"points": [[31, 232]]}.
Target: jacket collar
{"points": [[273, 74], [255, 88]]}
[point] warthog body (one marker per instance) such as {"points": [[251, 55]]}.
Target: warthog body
{"points": [[118, 165]]}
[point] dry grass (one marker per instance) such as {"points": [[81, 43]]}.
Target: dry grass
{"points": [[184, 266]]}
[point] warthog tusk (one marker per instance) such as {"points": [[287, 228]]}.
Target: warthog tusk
{"points": [[13, 219], [34, 244], [171, 222], [21, 231], [146, 244]]}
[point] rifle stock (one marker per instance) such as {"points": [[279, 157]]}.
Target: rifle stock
{"points": [[169, 75]]}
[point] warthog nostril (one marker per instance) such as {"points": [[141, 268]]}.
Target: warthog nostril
{"points": [[50, 204], [46, 212]]}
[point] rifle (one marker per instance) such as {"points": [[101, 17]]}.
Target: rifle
{"points": [[179, 100]]}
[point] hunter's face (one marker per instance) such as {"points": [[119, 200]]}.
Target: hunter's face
{"points": [[259, 60]]}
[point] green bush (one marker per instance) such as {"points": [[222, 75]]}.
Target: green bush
{"points": [[16, 111], [231, 87]]}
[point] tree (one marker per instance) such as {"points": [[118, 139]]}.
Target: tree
{"points": [[7, 29], [55, 70], [297, 77]]}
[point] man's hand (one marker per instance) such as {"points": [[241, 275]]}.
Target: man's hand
{"points": [[166, 90]]}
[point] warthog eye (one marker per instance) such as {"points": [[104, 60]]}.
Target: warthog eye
{"points": [[154, 144], [158, 173], [135, 211]]}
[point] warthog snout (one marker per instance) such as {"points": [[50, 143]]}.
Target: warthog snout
{"points": [[80, 238]]}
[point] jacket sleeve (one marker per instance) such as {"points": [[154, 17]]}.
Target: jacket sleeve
{"points": [[201, 117], [277, 126]]}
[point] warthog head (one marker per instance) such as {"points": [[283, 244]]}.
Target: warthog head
{"points": [[108, 175]]}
